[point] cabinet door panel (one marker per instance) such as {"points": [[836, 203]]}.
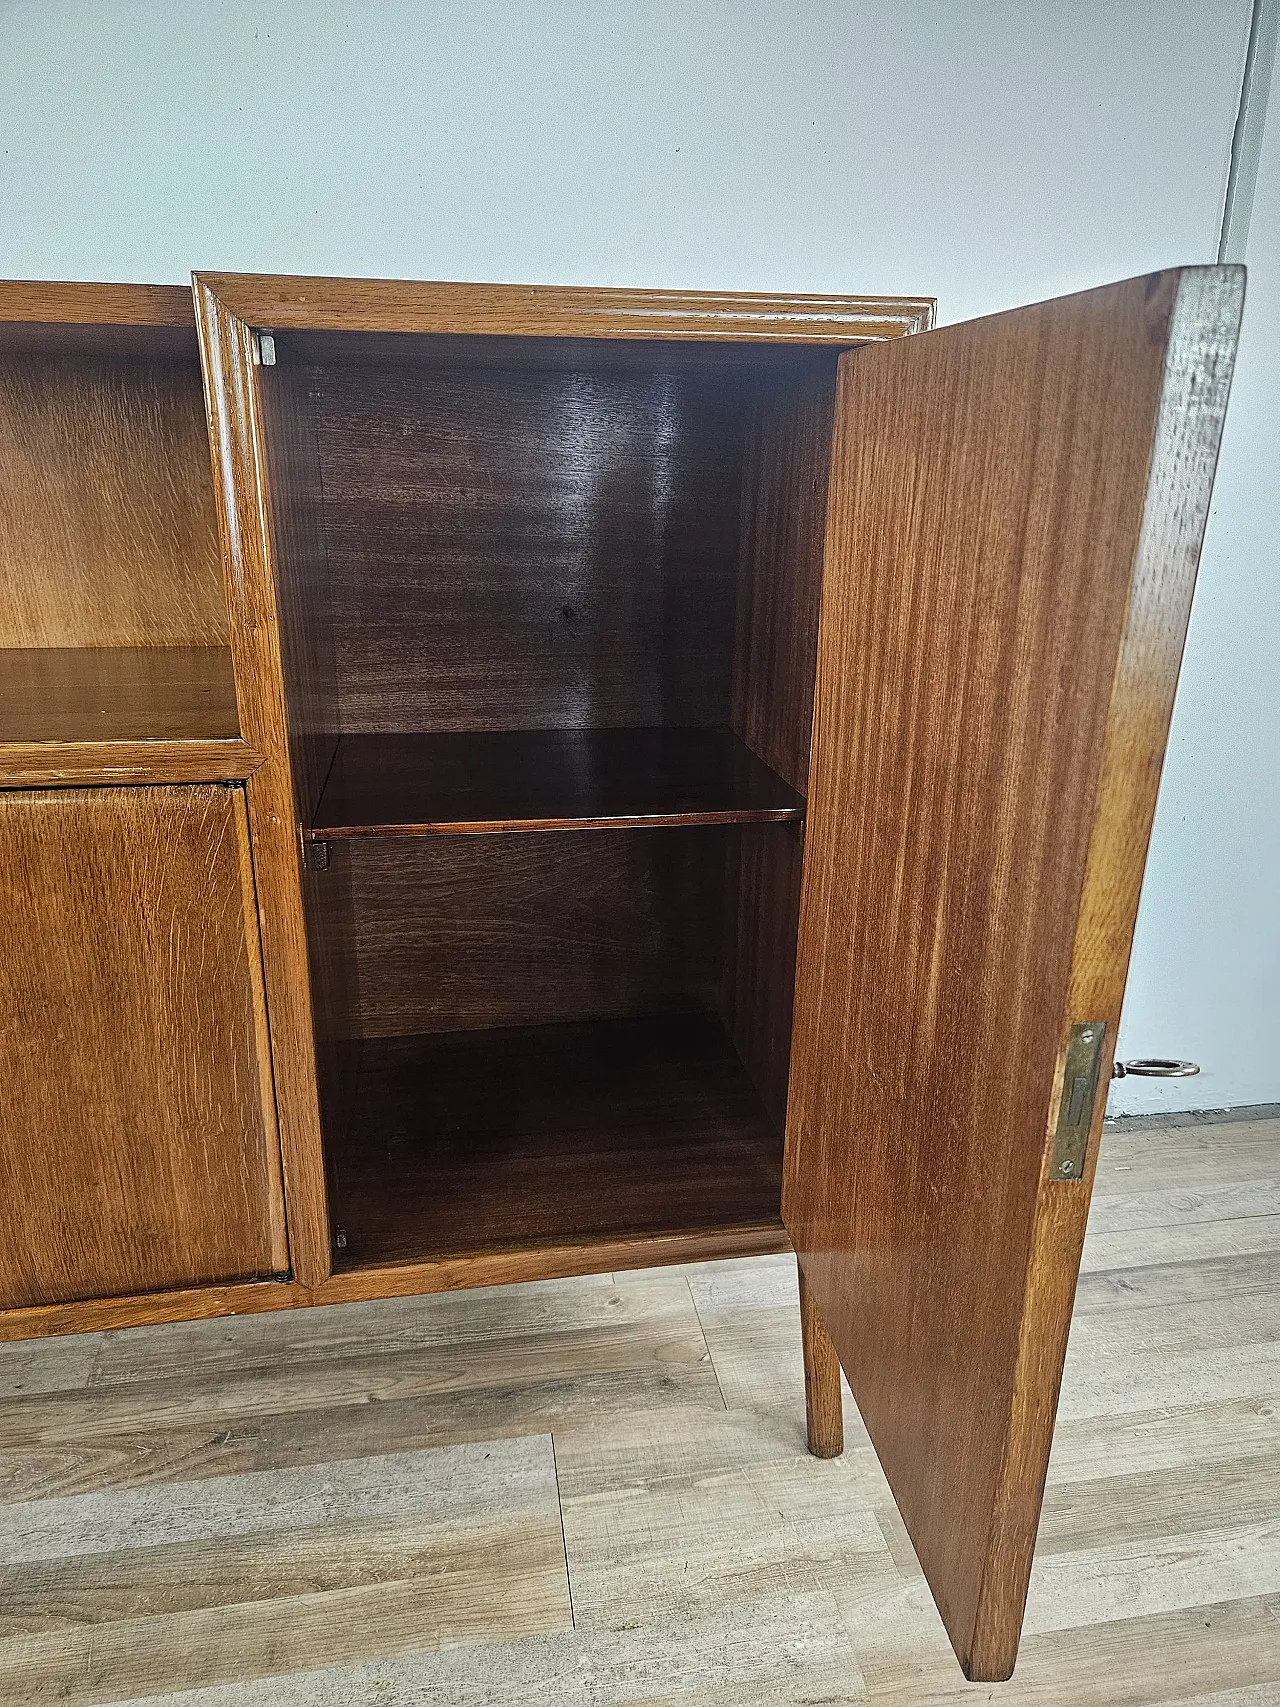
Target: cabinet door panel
{"points": [[1014, 524], [138, 1146]]}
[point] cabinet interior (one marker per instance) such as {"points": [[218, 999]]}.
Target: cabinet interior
{"points": [[113, 618], [549, 623]]}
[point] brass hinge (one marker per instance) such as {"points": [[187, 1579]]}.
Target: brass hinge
{"points": [[1079, 1092]]}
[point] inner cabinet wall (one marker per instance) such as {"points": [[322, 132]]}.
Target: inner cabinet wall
{"points": [[476, 540]]}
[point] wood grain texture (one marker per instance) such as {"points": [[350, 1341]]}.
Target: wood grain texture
{"points": [[409, 352], [167, 1490], [574, 1259], [299, 563], [412, 1551], [292, 482], [1015, 517], [257, 528], [139, 1145], [398, 305], [331, 940], [531, 549], [558, 545], [462, 934], [475, 1142], [555, 779], [784, 502], [43, 302], [763, 870], [59, 764], [117, 693], [107, 528], [784, 511], [121, 714], [823, 1400], [1203, 327]]}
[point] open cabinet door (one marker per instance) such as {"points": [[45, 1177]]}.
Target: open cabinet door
{"points": [[1014, 522]]}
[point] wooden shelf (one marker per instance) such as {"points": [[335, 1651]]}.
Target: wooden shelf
{"points": [[554, 779], [471, 1142], [117, 693], [119, 713]]}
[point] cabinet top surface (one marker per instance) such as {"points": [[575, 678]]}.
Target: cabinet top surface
{"points": [[95, 304], [394, 305]]}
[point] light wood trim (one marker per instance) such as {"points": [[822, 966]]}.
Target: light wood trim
{"points": [[95, 304], [402, 1280], [53, 764], [236, 434], [559, 311]]}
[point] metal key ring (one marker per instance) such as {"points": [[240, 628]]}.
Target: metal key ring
{"points": [[1155, 1068]]}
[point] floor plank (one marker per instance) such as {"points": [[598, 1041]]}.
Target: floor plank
{"points": [[387, 1554], [1155, 1661], [1196, 1242], [596, 1492], [1173, 1285], [788, 1651], [202, 1399], [785, 1527], [47, 1366]]}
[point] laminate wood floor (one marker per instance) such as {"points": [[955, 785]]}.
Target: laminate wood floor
{"points": [[596, 1492]]}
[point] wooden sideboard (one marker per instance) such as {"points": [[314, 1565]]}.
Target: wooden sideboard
{"points": [[659, 777]]}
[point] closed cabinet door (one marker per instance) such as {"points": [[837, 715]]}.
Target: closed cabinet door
{"points": [[138, 1144], [1014, 525]]}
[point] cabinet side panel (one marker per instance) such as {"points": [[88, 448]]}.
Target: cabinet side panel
{"points": [[784, 501], [300, 567], [300, 564], [136, 1151], [784, 508], [108, 535]]}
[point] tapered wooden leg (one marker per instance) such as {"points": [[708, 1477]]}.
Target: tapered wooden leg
{"points": [[824, 1406]]}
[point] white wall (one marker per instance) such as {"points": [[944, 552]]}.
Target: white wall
{"points": [[1205, 977], [984, 153], [987, 153]]}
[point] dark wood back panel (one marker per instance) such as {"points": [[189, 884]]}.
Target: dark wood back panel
{"points": [[456, 933], [531, 548]]}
